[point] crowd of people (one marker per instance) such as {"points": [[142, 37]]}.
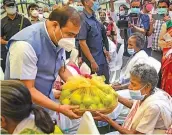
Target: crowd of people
{"points": [[131, 48]]}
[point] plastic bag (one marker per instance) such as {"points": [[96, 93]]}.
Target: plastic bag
{"points": [[90, 94]]}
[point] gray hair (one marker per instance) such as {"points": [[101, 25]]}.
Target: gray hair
{"points": [[140, 39], [146, 73]]}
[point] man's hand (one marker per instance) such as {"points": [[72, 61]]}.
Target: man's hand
{"points": [[107, 55], [69, 111], [101, 117], [94, 66]]}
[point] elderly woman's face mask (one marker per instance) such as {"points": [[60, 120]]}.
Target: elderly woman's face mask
{"points": [[137, 91]]}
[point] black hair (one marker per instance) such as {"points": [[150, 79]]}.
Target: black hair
{"points": [[136, 1], [124, 6], [16, 104], [83, 2], [140, 39], [32, 5], [166, 1], [64, 14]]}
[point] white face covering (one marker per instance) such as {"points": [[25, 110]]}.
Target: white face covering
{"points": [[136, 94], [11, 10], [66, 43], [46, 15], [35, 13], [122, 13]]}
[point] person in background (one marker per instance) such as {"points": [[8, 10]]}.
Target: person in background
{"points": [[46, 13], [145, 116], [141, 23], [19, 115], [147, 9], [162, 8], [10, 25], [170, 10], [33, 11], [80, 7], [91, 40], [135, 46], [109, 25], [123, 10], [41, 57], [165, 42]]}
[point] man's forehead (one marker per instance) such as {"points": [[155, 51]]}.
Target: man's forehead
{"points": [[135, 3], [71, 28], [163, 4]]}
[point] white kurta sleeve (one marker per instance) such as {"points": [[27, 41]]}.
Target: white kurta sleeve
{"points": [[149, 120], [23, 61]]}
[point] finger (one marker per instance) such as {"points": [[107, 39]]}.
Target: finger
{"points": [[98, 118], [74, 107], [74, 116]]}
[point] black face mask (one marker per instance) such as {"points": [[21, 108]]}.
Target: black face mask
{"points": [[102, 19]]}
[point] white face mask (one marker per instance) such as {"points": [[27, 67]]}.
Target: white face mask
{"points": [[66, 43], [35, 13], [122, 13], [170, 14], [11, 10], [46, 15], [136, 94], [40, 16]]}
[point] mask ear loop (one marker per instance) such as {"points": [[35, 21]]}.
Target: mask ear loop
{"points": [[64, 64]]}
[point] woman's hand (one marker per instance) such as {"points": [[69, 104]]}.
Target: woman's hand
{"points": [[101, 117]]}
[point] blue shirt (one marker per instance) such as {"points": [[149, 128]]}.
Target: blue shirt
{"points": [[91, 32]]}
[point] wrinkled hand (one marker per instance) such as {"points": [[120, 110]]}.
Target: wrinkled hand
{"points": [[101, 117], [94, 66], [117, 86], [69, 111]]}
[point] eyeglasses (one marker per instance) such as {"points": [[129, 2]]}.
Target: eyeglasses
{"points": [[135, 7], [162, 7]]}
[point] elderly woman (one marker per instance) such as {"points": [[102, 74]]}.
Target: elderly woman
{"points": [[135, 45], [151, 113], [19, 115]]}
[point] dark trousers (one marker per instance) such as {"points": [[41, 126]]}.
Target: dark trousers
{"points": [[158, 56], [4, 52], [103, 70], [148, 51]]}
